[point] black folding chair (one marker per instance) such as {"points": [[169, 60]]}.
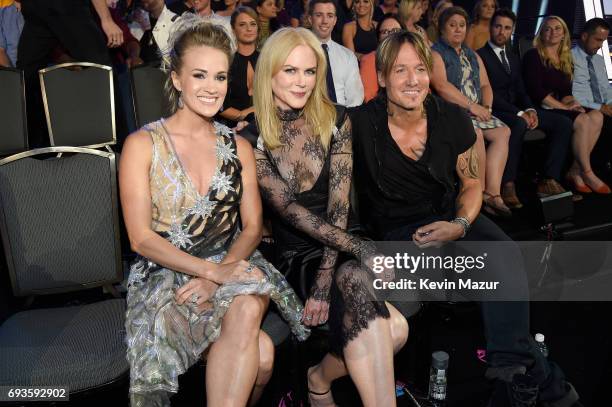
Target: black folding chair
{"points": [[59, 221], [79, 104], [148, 94], [14, 131]]}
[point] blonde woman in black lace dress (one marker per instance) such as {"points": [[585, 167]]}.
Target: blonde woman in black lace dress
{"points": [[198, 284], [304, 168]]}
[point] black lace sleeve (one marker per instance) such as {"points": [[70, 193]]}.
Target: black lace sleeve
{"points": [[280, 197], [341, 168]]}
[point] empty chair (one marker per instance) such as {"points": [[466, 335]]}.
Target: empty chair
{"points": [[148, 94], [60, 229], [79, 104], [14, 130]]}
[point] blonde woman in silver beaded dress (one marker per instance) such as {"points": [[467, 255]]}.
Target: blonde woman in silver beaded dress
{"points": [[198, 286]]}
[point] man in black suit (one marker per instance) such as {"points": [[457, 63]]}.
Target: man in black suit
{"points": [[514, 107]]}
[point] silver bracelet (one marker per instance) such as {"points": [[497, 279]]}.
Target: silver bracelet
{"points": [[464, 222]]}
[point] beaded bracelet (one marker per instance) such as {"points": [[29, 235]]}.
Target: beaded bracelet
{"points": [[464, 222]]}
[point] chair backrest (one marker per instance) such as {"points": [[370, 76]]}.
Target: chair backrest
{"points": [[148, 94], [14, 129], [524, 45], [79, 104], [59, 220]]}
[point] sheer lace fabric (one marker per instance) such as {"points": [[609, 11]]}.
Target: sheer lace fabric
{"points": [[308, 186], [165, 339]]}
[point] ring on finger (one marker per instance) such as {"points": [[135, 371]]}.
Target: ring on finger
{"points": [[250, 268], [308, 318], [194, 298]]}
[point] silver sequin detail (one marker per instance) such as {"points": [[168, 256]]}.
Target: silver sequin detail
{"points": [[222, 182], [203, 207], [179, 236], [225, 151]]}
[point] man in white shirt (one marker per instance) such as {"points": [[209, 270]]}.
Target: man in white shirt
{"points": [[590, 84], [154, 41], [344, 84]]}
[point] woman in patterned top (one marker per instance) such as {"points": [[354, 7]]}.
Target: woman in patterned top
{"points": [[459, 76], [198, 284], [304, 169]]}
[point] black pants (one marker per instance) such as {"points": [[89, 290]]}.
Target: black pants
{"points": [[506, 323], [47, 24], [558, 131]]}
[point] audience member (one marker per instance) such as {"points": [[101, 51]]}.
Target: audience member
{"points": [[410, 147], [410, 12], [181, 6], [154, 41], [197, 285], [239, 102], [512, 105], [230, 7], [343, 81], [478, 33], [590, 84], [426, 7], [11, 24], [359, 35], [267, 11], [203, 8], [385, 7], [48, 23], [548, 72], [433, 29], [367, 65], [458, 65], [299, 14], [304, 167]]}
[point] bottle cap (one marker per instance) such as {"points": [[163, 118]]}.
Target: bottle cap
{"points": [[539, 338], [439, 360]]}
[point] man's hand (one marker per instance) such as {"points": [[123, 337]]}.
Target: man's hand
{"points": [[113, 33], [436, 234], [532, 119]]}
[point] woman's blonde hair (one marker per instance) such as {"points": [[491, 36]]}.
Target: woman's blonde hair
{"points": [[566, 62], [319, 112], [193, 31], [405, 9]]}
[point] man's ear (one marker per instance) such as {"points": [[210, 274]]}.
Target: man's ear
{"points": [[584, 37]]}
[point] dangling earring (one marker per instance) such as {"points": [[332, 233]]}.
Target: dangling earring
{"points": [[180, 103]]}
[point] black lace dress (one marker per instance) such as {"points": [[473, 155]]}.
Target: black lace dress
{"points": [[307, 187]]}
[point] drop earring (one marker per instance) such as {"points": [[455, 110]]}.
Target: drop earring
{"points": [[180, 103]]}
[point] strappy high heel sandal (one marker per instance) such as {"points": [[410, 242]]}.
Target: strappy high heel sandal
{"points": [[493, 208]]}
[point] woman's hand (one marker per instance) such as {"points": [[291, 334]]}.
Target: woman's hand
{"points": [[436, 234], [240, 270], [481, 113], [197, 291], [316, 312]]}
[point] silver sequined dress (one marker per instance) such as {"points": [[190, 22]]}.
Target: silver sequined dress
{"points": [[165, 339]]}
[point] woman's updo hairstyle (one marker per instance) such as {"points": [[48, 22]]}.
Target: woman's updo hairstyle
{"points": [[194, 31]]}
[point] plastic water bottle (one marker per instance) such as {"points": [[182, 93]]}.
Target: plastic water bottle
{"points": [[539, 338], [437, 378]]}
